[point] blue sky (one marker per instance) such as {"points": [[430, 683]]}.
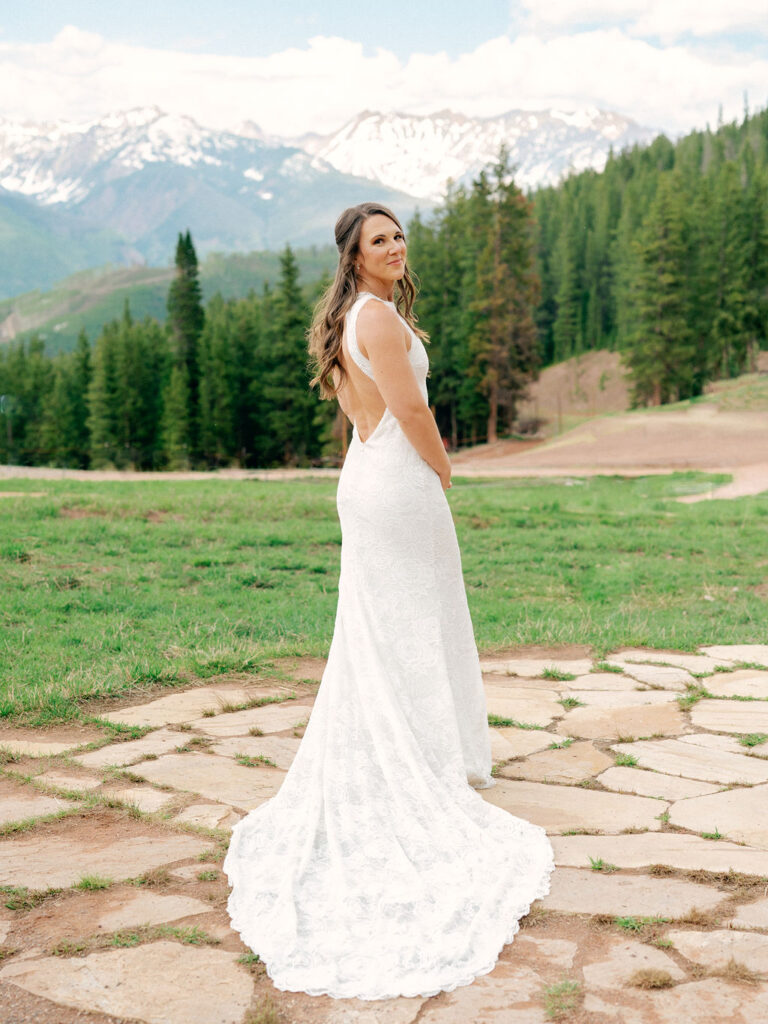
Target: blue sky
{"points": [[303, 66], [257, 28]]}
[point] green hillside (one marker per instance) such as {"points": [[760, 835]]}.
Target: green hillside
{"points": [[89, 299], [41, 243]]}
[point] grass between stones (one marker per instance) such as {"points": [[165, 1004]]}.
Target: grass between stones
{"points": [[170, 582], [562, 998]]}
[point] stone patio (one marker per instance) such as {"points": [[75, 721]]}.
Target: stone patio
{"points": [[116, 902]]}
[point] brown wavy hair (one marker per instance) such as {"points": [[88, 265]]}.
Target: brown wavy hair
{"points": [[327, 328]]}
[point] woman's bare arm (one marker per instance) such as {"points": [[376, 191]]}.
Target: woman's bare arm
{"points": [[383, 337]]}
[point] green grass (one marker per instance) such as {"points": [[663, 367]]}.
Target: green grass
{"points": [[561, 998], [753, 739], [637, 924], [625, 760], [111, 588], [92, 882], [598, 864]]}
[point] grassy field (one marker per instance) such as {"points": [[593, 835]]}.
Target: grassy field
{"points": [[110, 588]]}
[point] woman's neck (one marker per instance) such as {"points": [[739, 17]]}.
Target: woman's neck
{"points": [[380, 289]]}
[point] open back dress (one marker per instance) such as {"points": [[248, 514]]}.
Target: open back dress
{"points": [[377, 870]]}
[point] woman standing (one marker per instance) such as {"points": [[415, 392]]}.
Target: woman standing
{"points": [[377, 871]]}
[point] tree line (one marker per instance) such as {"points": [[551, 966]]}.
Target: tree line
{"points": [[662, 255], [211, 387]]}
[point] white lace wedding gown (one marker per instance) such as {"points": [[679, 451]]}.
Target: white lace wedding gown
{"points": [[377, 871]]}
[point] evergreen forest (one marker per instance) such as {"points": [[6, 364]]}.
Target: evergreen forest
{"points": [[663, 256]]}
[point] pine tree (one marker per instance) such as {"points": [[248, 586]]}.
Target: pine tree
{"points": [[102, 399], [661, 354], [185, 321], [291, 404], [175, 419], [504, 342]]}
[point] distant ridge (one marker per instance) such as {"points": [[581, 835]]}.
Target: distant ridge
{"points": [[121, 187]]}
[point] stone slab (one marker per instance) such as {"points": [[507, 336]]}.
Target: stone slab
{"points": [[493, 998], [615, 723], [123, 909], [158, 983], [357, 1011], [746, 682], [144, 797], [269, 718], [756, 654], [186, 705], [731, 715], [675, 849], [40, 861], [69, 781], [569, 764], [535, 667], [209, 816], [590, 892], [557, 952], [716, 948], [738, 814], [217, 778], [697, 663], [20, 802], [615, 970], [657, 675], [712, 1001], [621, 698], [716, 741], [751, 915], [563, 808], [279, 749], [508, 742], [610, 681], [648, 783], [511, 683], [534, 707], [35, 748], [673, 757], [162, 741], [189, 872]]}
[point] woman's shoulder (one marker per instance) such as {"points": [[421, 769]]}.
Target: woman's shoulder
{"points": [[379, 321], [376, 312]]}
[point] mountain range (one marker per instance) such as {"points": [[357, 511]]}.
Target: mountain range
{"points": [[119, 189]]}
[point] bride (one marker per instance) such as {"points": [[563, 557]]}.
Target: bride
{"points": [[377, 870]]}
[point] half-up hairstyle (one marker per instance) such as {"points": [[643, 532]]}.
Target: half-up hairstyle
{"points": [[328, 322]]}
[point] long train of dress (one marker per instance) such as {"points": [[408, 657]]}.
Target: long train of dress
{"points": [[376, 870]]}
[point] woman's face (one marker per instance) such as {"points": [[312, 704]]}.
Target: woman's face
{"points": [[381, 251]]}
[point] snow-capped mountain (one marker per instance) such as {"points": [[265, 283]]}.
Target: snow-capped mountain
{"points": [[419, 154], [64, 163], [126, 184], [144, 175]]}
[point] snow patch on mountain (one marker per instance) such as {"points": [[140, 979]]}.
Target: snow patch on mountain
{"points": [[419, 154]]}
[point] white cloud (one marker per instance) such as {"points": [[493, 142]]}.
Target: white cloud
{"points": [[80, 75], [668, 19]]}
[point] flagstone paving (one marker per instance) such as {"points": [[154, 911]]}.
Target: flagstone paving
{"points": [[116, 910], [746, 682], [616, 723], [710, 765]]}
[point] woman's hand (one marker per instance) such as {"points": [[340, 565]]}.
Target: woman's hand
{"points": [[445, 478]]}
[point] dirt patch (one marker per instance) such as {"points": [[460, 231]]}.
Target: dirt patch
{"points": [[585, 386], [73, 512]]}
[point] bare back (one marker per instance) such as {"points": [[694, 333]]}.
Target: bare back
{"points": [[359, 397]]}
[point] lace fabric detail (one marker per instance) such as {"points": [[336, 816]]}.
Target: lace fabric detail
{"points": [[376, 871]]}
